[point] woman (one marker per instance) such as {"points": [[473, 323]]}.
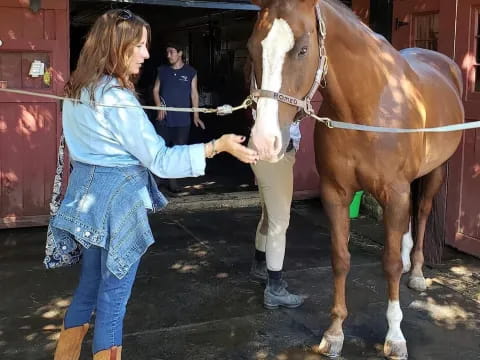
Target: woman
{"points": [[104, 209]]}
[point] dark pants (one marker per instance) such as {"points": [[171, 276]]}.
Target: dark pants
{"points": [[177, 135], [174, 136]]}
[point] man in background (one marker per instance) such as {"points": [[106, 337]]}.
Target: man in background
{"points": [[176, 86]]}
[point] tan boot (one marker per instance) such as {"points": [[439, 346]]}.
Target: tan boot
{"points": [[69, 343], [114, 353]]}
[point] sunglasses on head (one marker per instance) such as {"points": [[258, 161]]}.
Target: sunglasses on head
{"points": [[124, 14]]}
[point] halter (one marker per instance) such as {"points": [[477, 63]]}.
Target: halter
{"points": [[305, 105]]}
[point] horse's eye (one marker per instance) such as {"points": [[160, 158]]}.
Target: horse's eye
{"points": [[303, 51]]}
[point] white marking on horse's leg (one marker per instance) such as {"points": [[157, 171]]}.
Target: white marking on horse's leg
{"points": [[395, 346], [277, 43], [331, 345], [407, 245], [394, 317]]}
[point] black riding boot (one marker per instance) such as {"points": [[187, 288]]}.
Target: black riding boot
{"points": [[276, 293]]}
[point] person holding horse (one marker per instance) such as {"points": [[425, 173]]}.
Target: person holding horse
{"points": [[113, 145], [275, 185]]}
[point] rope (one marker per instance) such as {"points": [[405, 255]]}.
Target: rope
{"points": [[331, 124], [228, 109], [220, 110]]}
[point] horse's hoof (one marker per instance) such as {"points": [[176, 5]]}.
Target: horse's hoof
{"points": [[395, 350], [417, 283], [331, 345]]}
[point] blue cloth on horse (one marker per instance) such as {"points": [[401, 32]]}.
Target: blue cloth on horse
{"points": [[176, 90]]}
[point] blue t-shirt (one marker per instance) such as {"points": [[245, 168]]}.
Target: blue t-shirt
{"points": [[176, 90]]}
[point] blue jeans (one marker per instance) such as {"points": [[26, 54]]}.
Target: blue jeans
{"points": [[100, 291]]}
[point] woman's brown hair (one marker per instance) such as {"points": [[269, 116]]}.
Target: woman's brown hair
{"points": [[107, 51]]}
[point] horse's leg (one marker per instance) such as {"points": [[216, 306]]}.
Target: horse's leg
{"points": [[396, 218], [336, 208], [431, 184]]}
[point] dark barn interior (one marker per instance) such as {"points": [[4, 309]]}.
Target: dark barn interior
{"points": [[215, 45], [214, 35]]}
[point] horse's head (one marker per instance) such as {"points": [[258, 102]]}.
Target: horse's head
{"points": [[285, 56]]}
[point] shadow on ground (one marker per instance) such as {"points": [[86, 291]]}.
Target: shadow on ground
{"points": [[193, 298]]}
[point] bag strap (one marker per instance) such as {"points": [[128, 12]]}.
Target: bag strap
{"points": [[57, 181]]}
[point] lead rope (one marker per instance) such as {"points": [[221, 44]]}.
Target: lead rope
{"points": [[220, 110]]}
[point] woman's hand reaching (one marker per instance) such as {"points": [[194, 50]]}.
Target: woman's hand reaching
{"points": [[232, 144]]}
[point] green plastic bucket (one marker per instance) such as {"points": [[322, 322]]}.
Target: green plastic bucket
{"points": [[355, 205]]}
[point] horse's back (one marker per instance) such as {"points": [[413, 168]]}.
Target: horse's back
{"points": [[433, 60], [439, 81]]}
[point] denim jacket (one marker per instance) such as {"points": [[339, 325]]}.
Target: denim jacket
{"points": [[113, 148], [104, 206]]}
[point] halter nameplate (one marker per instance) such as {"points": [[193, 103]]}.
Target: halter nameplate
{"points": [[259, 93]]}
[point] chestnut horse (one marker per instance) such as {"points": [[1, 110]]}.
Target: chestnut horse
{"points": [[368, 82]]}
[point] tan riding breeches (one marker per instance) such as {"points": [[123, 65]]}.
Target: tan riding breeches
{"points": [[275, 185]]}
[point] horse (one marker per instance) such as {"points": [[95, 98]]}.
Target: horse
{"points": [[296, 45]]}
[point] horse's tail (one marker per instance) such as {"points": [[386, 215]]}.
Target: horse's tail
{"points": [[434, 239]]}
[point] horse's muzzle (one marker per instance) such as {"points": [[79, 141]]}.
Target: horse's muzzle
{"points": [[268, 146]]}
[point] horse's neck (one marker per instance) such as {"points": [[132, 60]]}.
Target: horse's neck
{"points": [[353, 77]]}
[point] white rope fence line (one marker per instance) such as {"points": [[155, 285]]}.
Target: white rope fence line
{"points": [[228, 109], [220, 110]]}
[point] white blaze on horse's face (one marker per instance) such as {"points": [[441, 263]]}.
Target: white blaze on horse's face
{"points": [[266, 134]]}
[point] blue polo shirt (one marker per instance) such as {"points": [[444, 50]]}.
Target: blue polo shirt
{"points": [[176, 90]]}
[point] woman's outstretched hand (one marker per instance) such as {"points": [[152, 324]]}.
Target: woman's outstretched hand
{"points": [[232, 144]]}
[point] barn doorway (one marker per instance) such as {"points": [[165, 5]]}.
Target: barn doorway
{"points": [[215, 45]]}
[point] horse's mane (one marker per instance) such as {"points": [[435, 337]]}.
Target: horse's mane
{"points": [[342, 9], [346, 13]]}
